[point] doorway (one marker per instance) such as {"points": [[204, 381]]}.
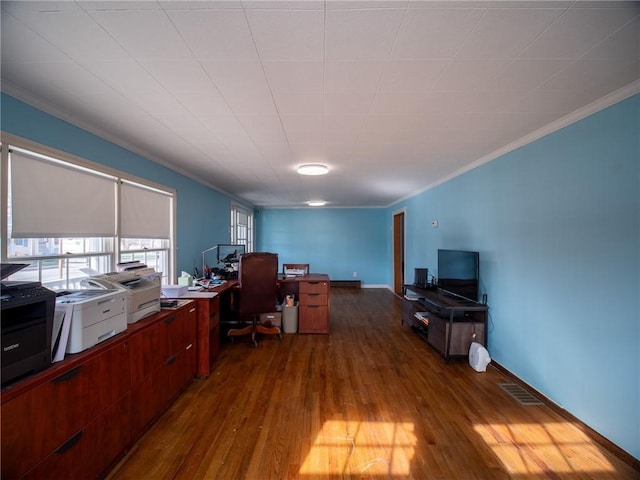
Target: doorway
{"points": [[398, 252]]}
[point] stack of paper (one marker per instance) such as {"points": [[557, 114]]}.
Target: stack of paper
{"points": [[293, 272], [61, 326]]}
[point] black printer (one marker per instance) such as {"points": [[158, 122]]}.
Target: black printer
{"points": [[26, 322]]}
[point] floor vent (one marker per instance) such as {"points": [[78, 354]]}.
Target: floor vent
{"points": [[520, 394]]}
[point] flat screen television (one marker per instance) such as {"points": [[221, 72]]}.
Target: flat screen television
{"points": [[458, 272], [230, 253]]}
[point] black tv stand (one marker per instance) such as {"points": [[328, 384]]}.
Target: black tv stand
{"points": [[454, 321]]}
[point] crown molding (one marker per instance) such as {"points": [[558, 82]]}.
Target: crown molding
{"points": [[594, 107]]}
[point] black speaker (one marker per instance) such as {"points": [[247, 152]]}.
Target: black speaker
{"points": [[421, 278]]}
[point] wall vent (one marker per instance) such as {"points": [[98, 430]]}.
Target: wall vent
{"points": [[520, 394]]}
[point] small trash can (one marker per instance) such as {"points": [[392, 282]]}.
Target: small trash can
{"points": [[290, 318]]}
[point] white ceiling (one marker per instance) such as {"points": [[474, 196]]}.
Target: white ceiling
{"points": [[394, 96]]}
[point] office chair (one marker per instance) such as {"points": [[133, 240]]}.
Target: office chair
{"points": [[258, 283]]}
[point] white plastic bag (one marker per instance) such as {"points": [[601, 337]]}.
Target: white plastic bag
{"points": [[478, 357]]}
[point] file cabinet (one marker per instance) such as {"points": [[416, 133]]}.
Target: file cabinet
{"points": [[313, 306], [162, 363], [78, 417], [72, 419]]}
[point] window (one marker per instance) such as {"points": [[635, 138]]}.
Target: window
{"points": [[146, 224], [69, 218], [242, 227]]}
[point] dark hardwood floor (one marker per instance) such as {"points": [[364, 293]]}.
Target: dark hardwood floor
{"points": [[369, 401]]}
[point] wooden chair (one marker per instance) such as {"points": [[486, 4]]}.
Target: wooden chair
{"points": [[295, 266], [258, 285]]}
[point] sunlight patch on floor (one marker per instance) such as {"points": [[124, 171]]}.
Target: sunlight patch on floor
{"points": [[555, 443], [377, 448]]}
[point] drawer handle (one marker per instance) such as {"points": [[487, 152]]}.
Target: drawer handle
{"points": [[69, 443], [170, 319], [192, 310], [67, 375], [313, 306], [170, 360]]}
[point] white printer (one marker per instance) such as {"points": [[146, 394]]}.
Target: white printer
{"points": [[143, 296], [93, 316]]}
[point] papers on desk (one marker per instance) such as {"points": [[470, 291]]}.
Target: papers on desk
{"points": [[294, 272], [206, 283], [61, 326]]}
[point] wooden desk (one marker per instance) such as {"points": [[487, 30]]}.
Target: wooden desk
{"points": [[312, 292], [217, 304]]}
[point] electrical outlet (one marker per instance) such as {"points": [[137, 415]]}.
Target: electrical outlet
{"points": [[355, 274]]}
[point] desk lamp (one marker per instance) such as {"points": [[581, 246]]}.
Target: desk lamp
{"points": [[204, 252]]}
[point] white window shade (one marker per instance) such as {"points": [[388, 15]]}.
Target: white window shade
{"points": [[51, 199], [144, 213]]}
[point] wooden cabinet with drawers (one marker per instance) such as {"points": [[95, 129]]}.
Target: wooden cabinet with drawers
{"points": [[72, 419], [78, 417], [162, 363], [313, 304], [207, 326]]}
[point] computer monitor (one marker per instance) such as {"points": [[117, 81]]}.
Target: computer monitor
{"points": [[228, 254]]}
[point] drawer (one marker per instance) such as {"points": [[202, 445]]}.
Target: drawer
{"points": [[314, 299], [181, 332], [149, 348], [54, 411], [89, 452], [313, 319], [313, 287]]}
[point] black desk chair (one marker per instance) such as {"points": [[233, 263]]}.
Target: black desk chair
{"points": [[258, 284]]}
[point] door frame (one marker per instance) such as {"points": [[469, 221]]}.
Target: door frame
{"points": [[398, 241]]}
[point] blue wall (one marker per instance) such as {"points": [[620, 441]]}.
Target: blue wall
{"points": [[331, 240], [202, 213], [557, 225]]}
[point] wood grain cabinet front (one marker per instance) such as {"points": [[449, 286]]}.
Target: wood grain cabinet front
{"points": [[313, 307], [78, 417], [207, 331], [53, 425], [162, 364]]}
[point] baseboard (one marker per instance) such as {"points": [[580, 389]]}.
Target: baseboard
{"points": [[346, 283], [586, 429]]}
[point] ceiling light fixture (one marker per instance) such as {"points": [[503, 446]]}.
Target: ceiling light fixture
{"points": [[316, 203], [313, 169]]}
